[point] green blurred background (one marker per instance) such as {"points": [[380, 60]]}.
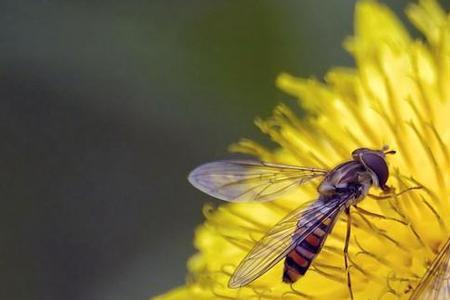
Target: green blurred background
{"points": [[105, 107]]}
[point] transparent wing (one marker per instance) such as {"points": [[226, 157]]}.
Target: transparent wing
{"points": [[284, 236], [247, 180], [435, 284]]}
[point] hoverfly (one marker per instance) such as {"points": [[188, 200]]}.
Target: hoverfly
{"points": [[299, 236], [435, 284]]}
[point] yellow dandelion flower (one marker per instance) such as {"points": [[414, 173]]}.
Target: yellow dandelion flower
{"points": [[398, 95]]}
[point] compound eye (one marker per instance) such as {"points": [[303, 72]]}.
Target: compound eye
{"points": [[357, 152], [377, 165]]}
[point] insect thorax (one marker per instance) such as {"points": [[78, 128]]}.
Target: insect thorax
{"points": [[348, 177]]}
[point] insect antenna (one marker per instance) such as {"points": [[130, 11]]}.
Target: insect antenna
{"points": [[390, 152]]}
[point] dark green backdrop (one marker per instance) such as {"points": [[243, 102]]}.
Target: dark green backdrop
{"points": [[105, 106]]}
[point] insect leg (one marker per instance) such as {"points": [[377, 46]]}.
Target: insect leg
{"points": [[371, 214], [390, 195], [347, 240]]}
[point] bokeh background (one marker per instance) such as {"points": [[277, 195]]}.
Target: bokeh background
{"points": [[105, 106]]}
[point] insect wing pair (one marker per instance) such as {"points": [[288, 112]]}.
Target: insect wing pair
{"points": [[240, 181]]}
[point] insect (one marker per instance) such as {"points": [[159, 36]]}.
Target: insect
{"points": [[298, 237], [435, 284]]}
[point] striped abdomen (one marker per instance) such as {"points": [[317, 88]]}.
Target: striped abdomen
{"points": [[298, 260]]}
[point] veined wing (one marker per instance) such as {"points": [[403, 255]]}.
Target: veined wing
{"points": [[284, 236], [247, 180], [435, 284]]}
